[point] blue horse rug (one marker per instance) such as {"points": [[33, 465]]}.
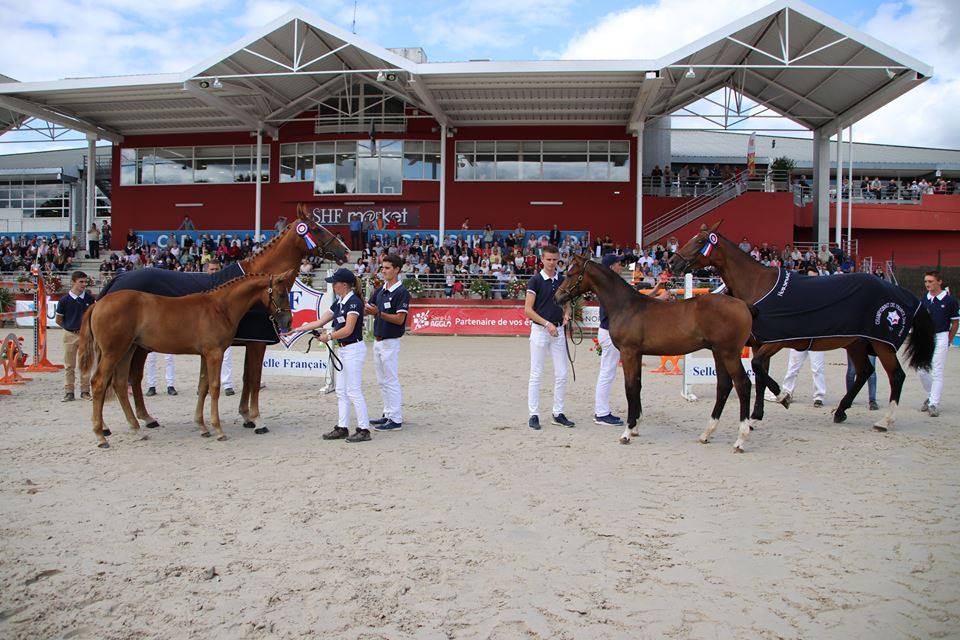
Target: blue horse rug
{"points": [[854, 304], [255, 326]]}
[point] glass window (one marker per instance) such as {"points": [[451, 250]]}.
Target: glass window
{"points": [[128, 166], [214, 165], [174, 165], [346, 167], [620, 167], [564, 161], [413, 160], [391, 166], [145, 163], [508, 161], [368, 167], [431, 158]]}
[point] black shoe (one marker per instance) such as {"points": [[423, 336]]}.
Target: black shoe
{"points": [[68, 397], [561, 420], [389, 425], [378, 422], [818, 403], [874, 406], [172, 392], [360, 435], [534, 423], [229, 391], [337, 433], [152, 391]]}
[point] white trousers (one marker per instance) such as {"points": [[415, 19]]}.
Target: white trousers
{"points": [[609, 357], [386, 361], [797, 358], [933, 380], [541, 345], [150, 369], [349, 385], [226, 370]]}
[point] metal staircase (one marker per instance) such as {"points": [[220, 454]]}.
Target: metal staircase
{"points": [[692, 209]]}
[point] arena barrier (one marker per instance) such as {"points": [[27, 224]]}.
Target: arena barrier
{"points": [[13, 355]]}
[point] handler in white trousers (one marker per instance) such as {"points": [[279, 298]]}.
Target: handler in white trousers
{"points": [[609, 357], [150, 372], [346, 312], [546, 337], [797, 358], [945, 313], [389, 305]]}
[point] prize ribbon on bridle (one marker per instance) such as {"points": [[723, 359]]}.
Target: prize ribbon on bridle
{"points": [[304, 232]]}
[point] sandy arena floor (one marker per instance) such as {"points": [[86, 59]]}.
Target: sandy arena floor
{"points": [[468, 524]]}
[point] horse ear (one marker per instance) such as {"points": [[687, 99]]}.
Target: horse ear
{"points": [[716, 225], [703, 227]]}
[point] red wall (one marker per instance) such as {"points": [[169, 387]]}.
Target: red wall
{"points": [[761, 217]]}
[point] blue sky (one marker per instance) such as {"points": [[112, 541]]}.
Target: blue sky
{"points": [[51, 39]]}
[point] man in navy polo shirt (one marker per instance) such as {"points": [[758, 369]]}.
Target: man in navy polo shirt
{"points": [[609, 354], [69, 314], [546, 337], [945, 312], [389, 305]]}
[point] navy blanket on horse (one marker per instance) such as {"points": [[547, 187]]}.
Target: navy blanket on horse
{"points": [[854, 304], [255, 326]]}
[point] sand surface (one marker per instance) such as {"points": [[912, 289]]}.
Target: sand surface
{"points": [[469, 525]]}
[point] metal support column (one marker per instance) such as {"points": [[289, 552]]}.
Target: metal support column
{"points": [[90, 210], [821, 187], [850, 194], [838, 207], [443, 183], [638, 171], [257, 221]]}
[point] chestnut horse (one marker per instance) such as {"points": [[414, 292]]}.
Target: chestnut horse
{"points": [[280, 254], [642, 325], [750, 281], [200, 323]]}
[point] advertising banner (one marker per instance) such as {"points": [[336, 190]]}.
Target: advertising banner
{"points": [[291, 363], [471, 236], [704, 371], [404, 215], [168, 238], [468, 321], [27, 305]]}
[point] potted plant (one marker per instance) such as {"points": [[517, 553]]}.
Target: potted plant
{"points": [[414, 286], [6, 302], [517, 288], [479, 288], [782, 169]]}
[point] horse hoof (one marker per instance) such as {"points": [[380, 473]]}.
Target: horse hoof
{"points": [[205, 434], [703, 440], [839, 417], [879, 428], [737, 450], [144, 437], [152, 425], [104, 445], [751, 427], [221, 438], [249, 424], [261, 430], [107, 432], [787, 400], [624, 440]]}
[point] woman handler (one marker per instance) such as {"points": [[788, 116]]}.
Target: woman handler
{"points": [[347, 315]]}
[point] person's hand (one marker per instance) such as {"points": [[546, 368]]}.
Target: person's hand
{"points": [[552, 329], [324, 337], [566, 319], [369, 308]]}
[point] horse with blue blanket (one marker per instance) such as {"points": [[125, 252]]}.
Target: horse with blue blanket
{"points": [[857, 312], [303, 236]]}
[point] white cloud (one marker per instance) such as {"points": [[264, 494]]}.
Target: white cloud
{"points": [[928, 30]]}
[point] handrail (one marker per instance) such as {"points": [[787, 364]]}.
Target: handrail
{"points": [[693, 208]]}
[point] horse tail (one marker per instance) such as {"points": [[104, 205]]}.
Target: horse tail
{"points": [[87, 344], [920, 343]]}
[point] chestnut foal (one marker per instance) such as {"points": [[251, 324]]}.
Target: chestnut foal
{"points": [[200, 323]]}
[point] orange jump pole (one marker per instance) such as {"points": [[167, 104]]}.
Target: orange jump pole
{"points": [[11, 354], [40, 362]]}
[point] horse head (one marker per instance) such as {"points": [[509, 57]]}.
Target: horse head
{"points": [[696, 252], [327, 244], [278, 299], [573, 284]]}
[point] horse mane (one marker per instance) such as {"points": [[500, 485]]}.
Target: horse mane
{"points": [[277, 237], [234, 281]]}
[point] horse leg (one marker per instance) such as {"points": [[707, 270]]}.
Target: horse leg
{"points": [[120, 377], [137, 361], [254, 362], [244, 407], [896, 376], [724, 385], [857, 351], [98, 385], [214, 361], [202, 387], [761, 372], [741, 381], [631, 380]]}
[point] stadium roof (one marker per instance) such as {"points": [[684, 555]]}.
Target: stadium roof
{"points": [[788, 57]]}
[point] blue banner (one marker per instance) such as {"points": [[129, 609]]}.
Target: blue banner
{"points": [[166, 238], [471, 236]]}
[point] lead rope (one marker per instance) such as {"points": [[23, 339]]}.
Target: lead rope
{"points": [[337, 362], [568, 337]]}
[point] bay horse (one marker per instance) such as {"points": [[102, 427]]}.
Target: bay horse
{"points": [[642, 325], [282, 253], [750, 281], [200, 323]]}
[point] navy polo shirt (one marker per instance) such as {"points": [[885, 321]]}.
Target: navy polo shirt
{"points": [[349, 305], [545, 304], [393, 300], [72, 309], [943, 309], [604, 320]]}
